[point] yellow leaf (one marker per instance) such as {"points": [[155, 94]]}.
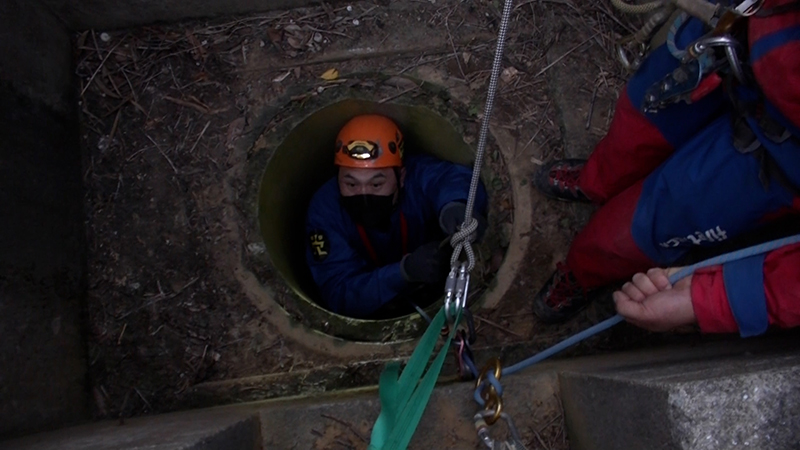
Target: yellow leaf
{"points": [[330, 75]]}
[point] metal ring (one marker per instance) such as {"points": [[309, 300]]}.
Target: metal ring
{"points": [[497, 412], [488, 393], [489, 396], [498, 371]]}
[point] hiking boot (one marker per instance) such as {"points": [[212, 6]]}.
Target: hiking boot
{"points": [[561, 297], [559, 180]]}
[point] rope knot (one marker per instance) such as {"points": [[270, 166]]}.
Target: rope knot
{"points": [[462, 240]]}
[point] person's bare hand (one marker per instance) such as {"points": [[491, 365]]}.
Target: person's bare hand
{"points": [[651, 302]]}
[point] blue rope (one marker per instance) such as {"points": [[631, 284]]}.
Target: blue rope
{"points": [[608, 323], [471, 366], [677, 24], [566, 343]]}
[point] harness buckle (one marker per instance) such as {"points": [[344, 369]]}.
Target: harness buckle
{"points": [[699, 63], [675, 87]]}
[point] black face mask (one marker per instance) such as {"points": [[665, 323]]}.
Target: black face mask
{"points": [[371, 211]]}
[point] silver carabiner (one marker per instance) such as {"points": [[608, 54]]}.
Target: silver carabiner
{"points": [[631, 54], [450, 291], [456, 289], [513, 443], [730, 45]]}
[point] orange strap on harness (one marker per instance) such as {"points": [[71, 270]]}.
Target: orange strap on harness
{"points": [[371, 249]]}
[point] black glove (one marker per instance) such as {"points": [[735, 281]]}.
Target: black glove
{"points": [[426, 264], [452, 216]]}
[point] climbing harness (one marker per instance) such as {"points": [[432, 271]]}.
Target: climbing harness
{"points": [[698, 75], [632, 49], [362, 232], [703, 62]]}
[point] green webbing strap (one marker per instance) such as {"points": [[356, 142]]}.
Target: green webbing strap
{"points": [[402, 404]]}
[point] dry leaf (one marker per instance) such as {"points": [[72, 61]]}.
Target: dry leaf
{"points": [[275, 35], [400, 82], [294, 42], [198, 52], [466, 56], [508, 75], [330, 75], [280, 78], [235, 129]]}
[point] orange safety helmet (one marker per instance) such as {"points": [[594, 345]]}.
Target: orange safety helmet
{"points": [[369, 141]]}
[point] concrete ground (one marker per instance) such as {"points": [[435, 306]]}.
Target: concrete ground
{"points": [[610, 402]]}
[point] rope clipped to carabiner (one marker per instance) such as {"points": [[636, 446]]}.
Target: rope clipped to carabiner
{"points": [[462, 239], [514, 442], [491, 392]]}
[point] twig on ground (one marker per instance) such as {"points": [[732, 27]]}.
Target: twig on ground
{"points": [[337, 33], [346, 424], [114, 126], [538, 130], [143, 399], [200, 136], [158, 297], [564, 55], [591, 107], [453, 46], [498, 326], [135, 154], [399, 94], [122, 333], [158, 147], [558, 2], [177, 101], [541, 441], [110, 52]]}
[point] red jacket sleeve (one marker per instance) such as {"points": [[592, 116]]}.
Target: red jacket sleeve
{"points": [[781, 287], [774, 46]]}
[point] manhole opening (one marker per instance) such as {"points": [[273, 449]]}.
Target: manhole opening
{"points": [[303, 160]]}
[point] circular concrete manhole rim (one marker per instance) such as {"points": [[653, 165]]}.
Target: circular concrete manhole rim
{"points": [[290, 321]]}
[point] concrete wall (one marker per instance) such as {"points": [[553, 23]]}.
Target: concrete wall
{"points": [[107, 14], [748, 401], [42, 249]]}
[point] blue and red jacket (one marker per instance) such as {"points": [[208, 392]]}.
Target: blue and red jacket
{"points": [[673, 180], [724, 301], [718, 300], [343, 262]]}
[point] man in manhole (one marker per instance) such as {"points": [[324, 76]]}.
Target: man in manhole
{"points": [[377, 231]]}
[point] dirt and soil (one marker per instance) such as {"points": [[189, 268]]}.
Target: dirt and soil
{"points": [[164, 109]]}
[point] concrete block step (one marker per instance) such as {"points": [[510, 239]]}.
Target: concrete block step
{"points": [[743, 402]]}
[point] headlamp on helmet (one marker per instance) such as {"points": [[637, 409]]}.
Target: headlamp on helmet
{"points": [[369, 141]]}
